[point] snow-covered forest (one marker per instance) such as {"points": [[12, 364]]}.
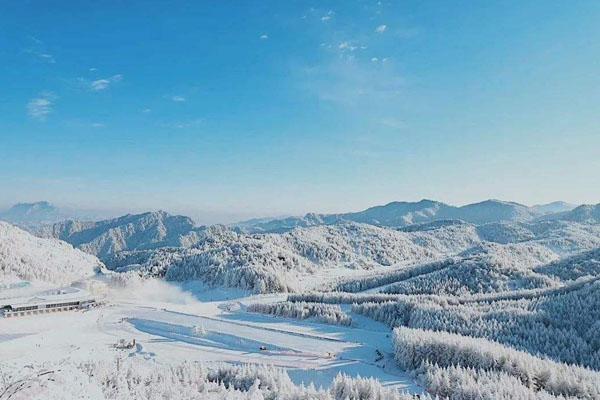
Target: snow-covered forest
{"points": [[131, 378], [328, 313], [446, 362], [23, 256]]}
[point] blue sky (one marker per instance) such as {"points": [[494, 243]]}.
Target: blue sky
{"points": [[233, 109]]}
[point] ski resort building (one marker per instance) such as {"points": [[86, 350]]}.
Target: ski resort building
{"points": [[48, 301]]}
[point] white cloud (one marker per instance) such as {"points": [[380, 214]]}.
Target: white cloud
{"points": [[146, 110], [183, 124], [264, 36], [49, 58], [328, 16], [43, 56], [99, 84], [38, 49], [379, 60], [381, 28], [98, 125], [347, 46], [102, 84], [178, 99], [40, 107]]}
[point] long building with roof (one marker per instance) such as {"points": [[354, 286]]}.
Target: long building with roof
{"points": [[47, 301]]}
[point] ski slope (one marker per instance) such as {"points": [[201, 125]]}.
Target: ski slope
{"points": [[161, 318]]}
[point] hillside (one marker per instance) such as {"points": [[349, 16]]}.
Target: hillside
{"points": [[491, 257], [24, 256], [581, 265], [562, 237], [400, 213], [587, 213], [280, 225], [492, 211], [553, 207], [486, 268], [130, 232], [275, 262]]}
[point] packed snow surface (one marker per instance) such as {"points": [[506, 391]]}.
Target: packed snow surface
{"points": [[171, 324]]}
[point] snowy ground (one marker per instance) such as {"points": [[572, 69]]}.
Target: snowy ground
{"points": [[162, 317]]}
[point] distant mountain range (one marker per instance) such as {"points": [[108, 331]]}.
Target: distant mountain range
{"points": [[554, 207], [400, 214], [159, 229], [42, 212], [271, 255], [32, 213], [395, 214], [587, 213]]}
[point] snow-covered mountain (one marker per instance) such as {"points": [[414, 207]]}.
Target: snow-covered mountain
{"points": [[583, 264], [276, 262], [554, 207], [24, 256], [495, 256], [486, 268], [562, 237], [159, 229], [492, 211], [395, 214], [288, 249], [400, 214], [160, 244], [130, 232], [586, 213], [280, 225], [32, 213]]}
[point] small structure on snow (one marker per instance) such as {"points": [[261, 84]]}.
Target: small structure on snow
{"points": [[122, 344], [48, 301]]}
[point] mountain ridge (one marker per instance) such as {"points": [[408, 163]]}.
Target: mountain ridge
{"points": [[399, 214], [585, 213], [129, 232], [159, 229]]}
